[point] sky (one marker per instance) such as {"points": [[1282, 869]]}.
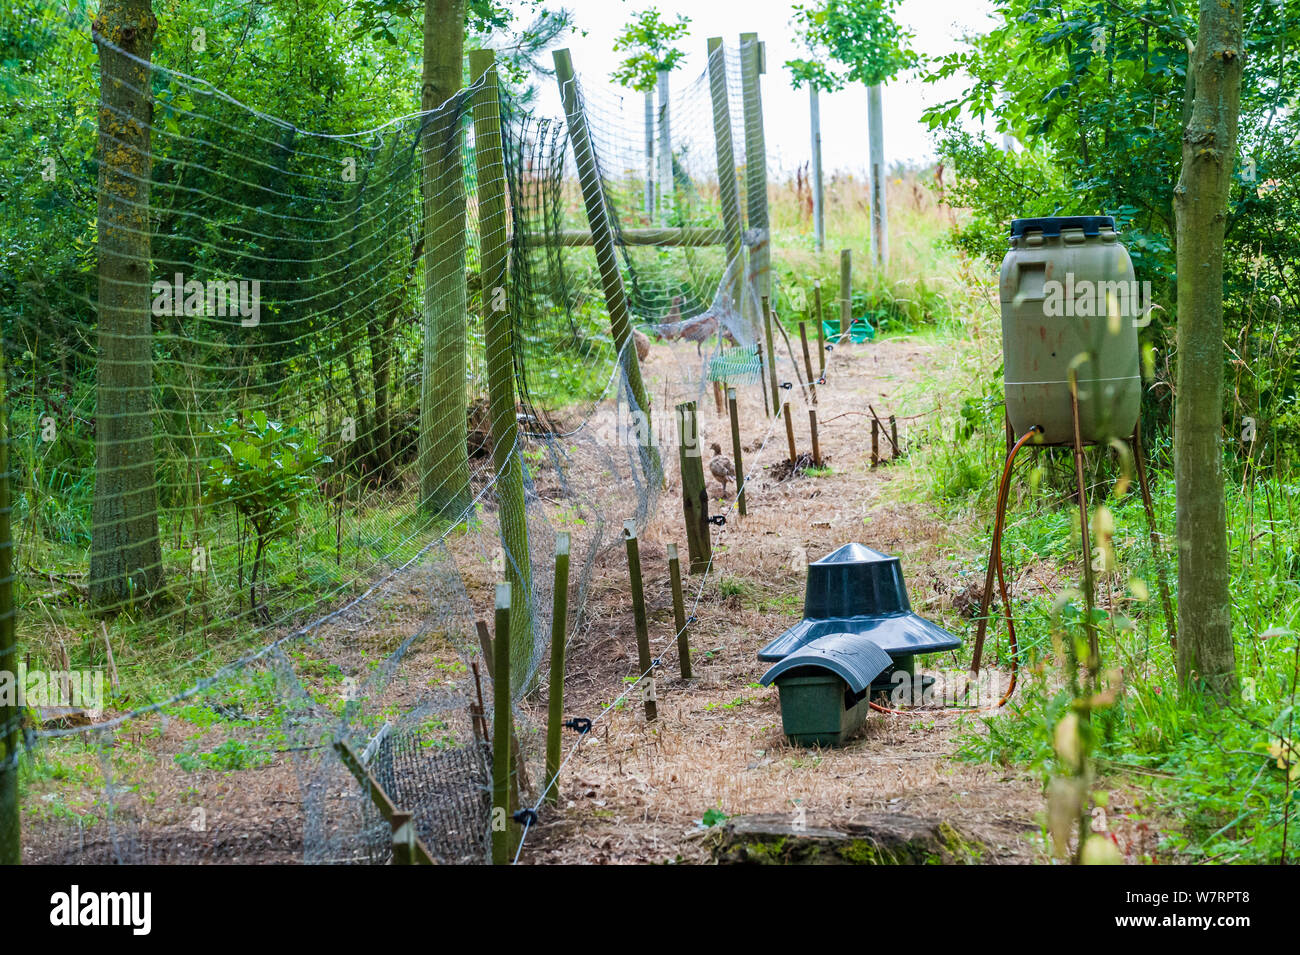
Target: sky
{"points": [[937, 24]]}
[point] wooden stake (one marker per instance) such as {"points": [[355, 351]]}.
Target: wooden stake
{"points": [[403, 838], [502, 726], [816, 445], [717, 397], [638, 614], [893, 435], [695, 494], [487, 644], [821, 329], [789, 432], [771, 357], [807, 361], [735, 451], [752, 66], [555, 709], [762, 387], [875, 441], [846, 293], [679, 612]]}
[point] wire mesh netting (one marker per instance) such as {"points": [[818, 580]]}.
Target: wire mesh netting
{"points": [[268, 457]]}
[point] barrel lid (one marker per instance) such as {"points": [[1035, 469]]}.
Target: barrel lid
{"points": [[1052, 225]]}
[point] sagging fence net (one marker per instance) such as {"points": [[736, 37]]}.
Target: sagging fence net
{"points": [[299, 401]]}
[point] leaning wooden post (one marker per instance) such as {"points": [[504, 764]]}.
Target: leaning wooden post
{"points": [[735, 451], [846, 293], [10, 714], [679, 612], [807, 361], [493, 248], [638, 613], [695, 496], [602, 238], [403, 838], [752, 66], [555, 709], [771, 357], [816, 444], [501, 726], [821, 329], [728, 191]]}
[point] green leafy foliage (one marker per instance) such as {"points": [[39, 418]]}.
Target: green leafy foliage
{"points": [[649, 40], [862, 36]]}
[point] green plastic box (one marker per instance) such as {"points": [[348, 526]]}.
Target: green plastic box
{"points": [[818, 709]]}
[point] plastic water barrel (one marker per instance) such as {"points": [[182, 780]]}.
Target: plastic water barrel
{"points": [[1070, 300]]}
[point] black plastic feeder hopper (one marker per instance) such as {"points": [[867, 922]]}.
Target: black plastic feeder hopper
{"points": [[858, 631]]}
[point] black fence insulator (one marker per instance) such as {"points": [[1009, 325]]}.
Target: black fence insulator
{"points": [[821, 380], [656, 663], [786, 385], [692, 619], [579, 724], [718, 519], [830, 347], [525, 817]]}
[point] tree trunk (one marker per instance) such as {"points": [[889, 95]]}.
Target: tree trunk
{"points": [[125, 553], [444, 403], [1205, 652], [819, 206]]}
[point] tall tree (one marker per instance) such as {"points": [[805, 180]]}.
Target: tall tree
{"points": [[1205, 651], [125, 553], [444, 459], [864, 37]]}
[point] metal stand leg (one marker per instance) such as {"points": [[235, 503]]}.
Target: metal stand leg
{"points": [[1094, 650]]}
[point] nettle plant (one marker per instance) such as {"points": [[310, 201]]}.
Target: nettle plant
{"points": [[264, 470]]}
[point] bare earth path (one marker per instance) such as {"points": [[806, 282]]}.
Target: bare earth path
{"points": [[633, 792]]}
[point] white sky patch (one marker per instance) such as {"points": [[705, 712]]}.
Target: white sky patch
{"points": [[938, 24]]}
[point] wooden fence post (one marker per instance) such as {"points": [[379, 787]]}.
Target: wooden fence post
{"points": [[807, 362], [666, 190], [752, 66], [493, 248], [602, 237], [728, 191], [695, 495], [875, 441], [789, 431], [846, 293], [403, 838], [736, 451], [502, 724], [816, 444], [821, 329], [679, 611], [819, 206], [555, 709], [638, 613], [771, 357]]}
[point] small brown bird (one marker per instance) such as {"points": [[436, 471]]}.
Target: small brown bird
{"points": [[721, 468]]}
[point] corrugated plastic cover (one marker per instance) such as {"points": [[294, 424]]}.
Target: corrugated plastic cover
{"points": [[901, 634], [1052, 225], [852, 657]]}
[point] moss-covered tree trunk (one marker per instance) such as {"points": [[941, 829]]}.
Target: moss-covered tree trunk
{"points": [[444, 458], [1205, 652], [125, 554]]}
